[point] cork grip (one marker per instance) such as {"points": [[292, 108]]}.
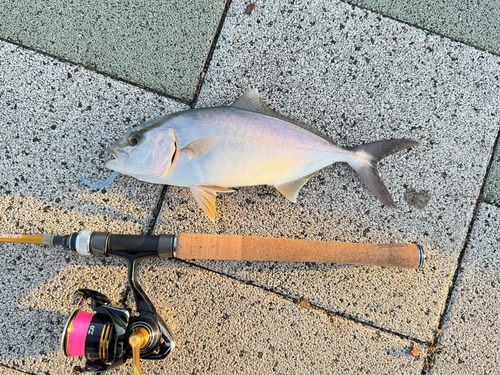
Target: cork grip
{"points": [[224, 247]]}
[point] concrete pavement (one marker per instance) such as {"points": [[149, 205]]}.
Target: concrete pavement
{"points": [[351, 73], [471, 328], [474, 23], [162, 45]]}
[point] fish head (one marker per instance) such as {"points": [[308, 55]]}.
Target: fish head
{"points": [[145, 152]]}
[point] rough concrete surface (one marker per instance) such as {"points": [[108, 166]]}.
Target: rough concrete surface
{"points": [[56, 122], [491, 191], [471, 330], [221, 326], [358, 77], [476, 23], [160, 44], [10, 371]]}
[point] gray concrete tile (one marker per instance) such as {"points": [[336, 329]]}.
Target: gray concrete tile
{"points": [[9, 371], [56, 121], [161, 44], [471, 330], [358, 77], [220, 326], [491, 191], [475, 23]]}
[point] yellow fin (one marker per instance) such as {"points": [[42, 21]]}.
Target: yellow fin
{"points": [[205, 196], [291, 189], [200, 147]]}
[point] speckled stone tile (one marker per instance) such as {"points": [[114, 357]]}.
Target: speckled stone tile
{"points": [[159, 44], [476, 23], [10, 371], [220, 326], [358, 77], [491, 191], [56, 122], [471, 331]]}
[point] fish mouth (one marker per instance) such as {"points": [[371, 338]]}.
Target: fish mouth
{"points": [[120, 158]]}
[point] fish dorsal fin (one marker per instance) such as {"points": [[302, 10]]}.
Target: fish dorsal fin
{"points": [[199, 147], [251, 102], [205, 196], [291, 189]]}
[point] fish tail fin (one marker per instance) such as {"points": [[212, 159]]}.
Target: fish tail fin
{"points": [[365, 163]]}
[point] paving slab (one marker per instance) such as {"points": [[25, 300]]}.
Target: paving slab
{"points": [[220, 325], [471, 331], [56, 120], [9, 371], [476, 23], [358, 77], [159, 44], [491, 191]]}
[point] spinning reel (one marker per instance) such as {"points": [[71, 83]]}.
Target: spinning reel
{"points": [[110, 335]]}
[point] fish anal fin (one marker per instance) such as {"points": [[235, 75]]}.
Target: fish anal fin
{"points": [[291, 189], [199, 147], [205, 196], [251, 101]]}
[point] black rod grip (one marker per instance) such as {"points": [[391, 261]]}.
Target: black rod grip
{"points": [[162, 245]]}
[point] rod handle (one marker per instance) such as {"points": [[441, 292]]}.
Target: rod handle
{"points": [[228, 247]]}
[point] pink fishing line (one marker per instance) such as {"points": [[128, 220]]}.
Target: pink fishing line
{"points": [[76, 339]]}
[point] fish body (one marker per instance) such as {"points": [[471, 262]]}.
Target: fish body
{"points": [[232, 147], [211, 150]]}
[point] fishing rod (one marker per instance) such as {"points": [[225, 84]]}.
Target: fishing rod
{"points": [[110, 336]]}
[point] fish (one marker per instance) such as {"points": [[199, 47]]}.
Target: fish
{"points": [[212, 150]]}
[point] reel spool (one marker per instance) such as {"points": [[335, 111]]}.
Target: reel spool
{"points": [[100, 336], [89, 335], [108, 336]]}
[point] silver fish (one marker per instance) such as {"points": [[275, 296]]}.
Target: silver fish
{"points": [[210, 150]]}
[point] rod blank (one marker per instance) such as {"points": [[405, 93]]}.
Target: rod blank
{"points": [[27, 238]]}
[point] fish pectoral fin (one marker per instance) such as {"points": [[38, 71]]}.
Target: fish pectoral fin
{"points": [[291, 189], [200, 147], [205, 196]]}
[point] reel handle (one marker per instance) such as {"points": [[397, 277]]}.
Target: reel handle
{"points": [[138, 339]]}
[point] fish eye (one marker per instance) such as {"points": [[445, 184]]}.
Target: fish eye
{"points": [[134, 139]]}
